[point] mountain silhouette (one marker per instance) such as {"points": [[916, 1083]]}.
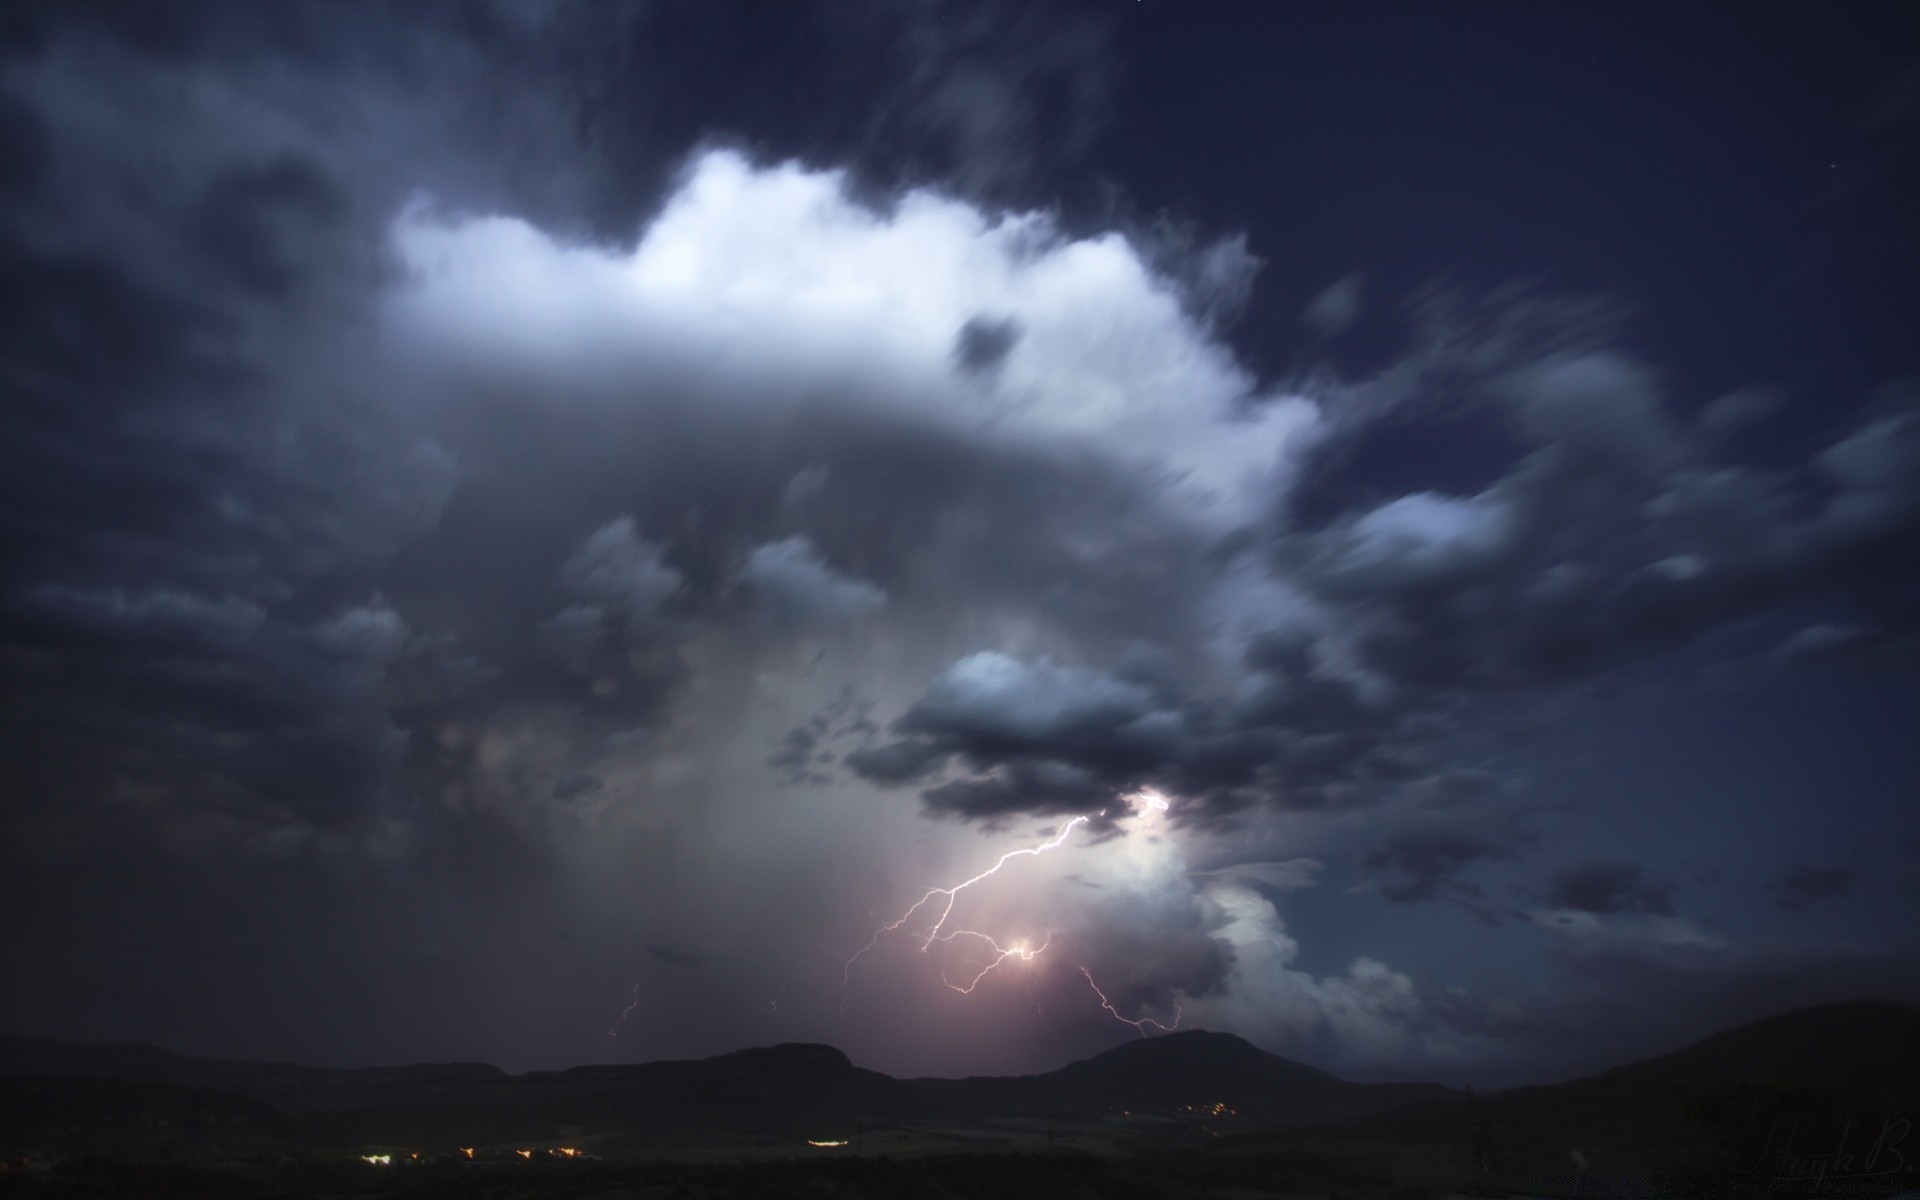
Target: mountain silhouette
{"points": [[1180, 1073], [128, 1099], [1713, 1105]]}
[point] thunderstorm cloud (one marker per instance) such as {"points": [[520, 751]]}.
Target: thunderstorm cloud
{"points": [[481, 471]]}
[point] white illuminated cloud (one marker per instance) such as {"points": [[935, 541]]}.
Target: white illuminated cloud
{"points": [[769, 286], [1367, 1015]]}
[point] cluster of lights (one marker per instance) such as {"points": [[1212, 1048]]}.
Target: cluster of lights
{"points": [[562, 1152], [386, 1160], [1218, 1108]]}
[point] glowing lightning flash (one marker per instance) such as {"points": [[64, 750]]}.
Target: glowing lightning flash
{"points": [[946, 909], [1152, 804], [1020, 950], [1143, 1022], [633, 1002]]}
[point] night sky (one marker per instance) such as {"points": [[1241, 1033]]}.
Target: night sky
{"points": [[532, 532]]}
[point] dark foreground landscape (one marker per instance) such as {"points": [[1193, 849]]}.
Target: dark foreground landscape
{"points": [[1813, 1102]]}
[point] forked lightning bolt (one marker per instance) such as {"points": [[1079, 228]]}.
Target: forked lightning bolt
{"points": [[1143, 1022], [633, 1002], [950, 894], [1152, 804], [1019, 950]]}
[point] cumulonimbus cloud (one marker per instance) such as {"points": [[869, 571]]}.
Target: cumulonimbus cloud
{"points": [[773, 286]]}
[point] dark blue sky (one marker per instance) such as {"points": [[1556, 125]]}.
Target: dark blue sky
{"points": [[534, 532]]}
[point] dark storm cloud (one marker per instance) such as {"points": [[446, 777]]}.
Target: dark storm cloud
{"points": [[181, 463], [1058, 738], [1145, 968], [211, 700], [442, 498], [1606, 886], [1802, 886], [142, 449], [606, 101], [444, 636], [792, 583], [1735, 410], [676, 954], [1427, 862], [983, 343], [1017, 790], [1608, 1001], [897, 762], [705, 545], [623, 573], [1613, 540], [796, 749], [266, 596], [1609, 538], [991, 706], [254, 224]]}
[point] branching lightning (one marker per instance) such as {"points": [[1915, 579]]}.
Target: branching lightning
{"points": [[633, 1002], [1143, 1022], [1020, 950], [1150, 804], [946, 909]]}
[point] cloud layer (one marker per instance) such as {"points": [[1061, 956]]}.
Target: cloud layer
{"points": [[498, 564]]}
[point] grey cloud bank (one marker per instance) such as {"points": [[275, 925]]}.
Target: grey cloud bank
{"points": [[500, 527]]}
